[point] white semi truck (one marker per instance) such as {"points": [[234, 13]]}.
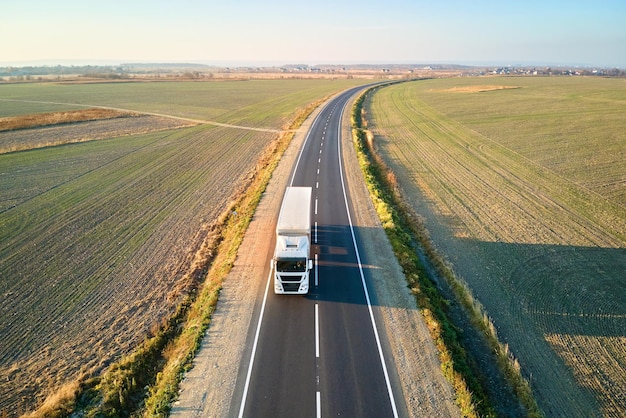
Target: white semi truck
{"points": [[292, 256]]}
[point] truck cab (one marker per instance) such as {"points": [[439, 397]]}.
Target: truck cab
{"points": [[292, 256], [292, 264]]}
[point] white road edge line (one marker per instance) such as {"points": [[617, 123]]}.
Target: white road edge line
{"points": [[358, 258], [254, 345], [306, 139]]}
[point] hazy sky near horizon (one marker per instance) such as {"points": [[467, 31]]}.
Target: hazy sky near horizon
{"points": [[264, 32]]}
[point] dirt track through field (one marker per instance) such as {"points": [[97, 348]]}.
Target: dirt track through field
{"points": [[161, 115]]}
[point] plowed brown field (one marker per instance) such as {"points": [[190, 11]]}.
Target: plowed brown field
{"points": [[96, 237], [539, 236], [59, 128]]}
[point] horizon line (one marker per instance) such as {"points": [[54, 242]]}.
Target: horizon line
{"points": [[260, 64]]}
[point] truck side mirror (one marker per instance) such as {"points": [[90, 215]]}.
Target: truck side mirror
{"points": [[310, 264]]}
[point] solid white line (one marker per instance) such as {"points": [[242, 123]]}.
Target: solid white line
{"points": [[317, 330], [358, 258], [318, 403], [254, 345], [306, 139]]}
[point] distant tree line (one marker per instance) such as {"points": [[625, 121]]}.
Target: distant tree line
{"points": [[199, 71], [109, 72], [33, 71]]}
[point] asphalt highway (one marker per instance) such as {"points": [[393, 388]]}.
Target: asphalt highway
{"points": [[320, 355]]}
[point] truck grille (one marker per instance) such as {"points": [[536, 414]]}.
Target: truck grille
{"points": [[291, 287]]}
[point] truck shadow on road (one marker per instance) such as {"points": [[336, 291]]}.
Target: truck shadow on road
{"points": [[342, 270]]}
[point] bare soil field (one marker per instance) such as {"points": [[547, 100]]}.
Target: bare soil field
{"points": [[522, 190], [478, 89], [108, 249], [57, 118], [42, 134], [96, 236]]}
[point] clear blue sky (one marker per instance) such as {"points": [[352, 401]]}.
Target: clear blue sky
{"points": [[262, 32]]}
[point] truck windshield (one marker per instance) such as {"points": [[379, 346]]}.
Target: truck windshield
{"points": [[291, 265]]}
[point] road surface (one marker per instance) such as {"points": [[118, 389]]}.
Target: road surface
{"points": [[328, 353], [320, 355]]}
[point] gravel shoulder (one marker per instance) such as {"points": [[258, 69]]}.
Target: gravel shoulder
{"points": [[209, 387]]}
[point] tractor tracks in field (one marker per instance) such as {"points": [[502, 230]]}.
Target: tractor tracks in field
{"points": [[95, 255], [540, 251]]}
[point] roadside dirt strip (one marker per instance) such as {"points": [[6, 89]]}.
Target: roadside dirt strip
{"points": [[208, 388]]}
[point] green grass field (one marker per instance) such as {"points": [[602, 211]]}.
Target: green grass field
{"points": [[572, 126], [258, 103], [96, 237], [522, 189]]}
